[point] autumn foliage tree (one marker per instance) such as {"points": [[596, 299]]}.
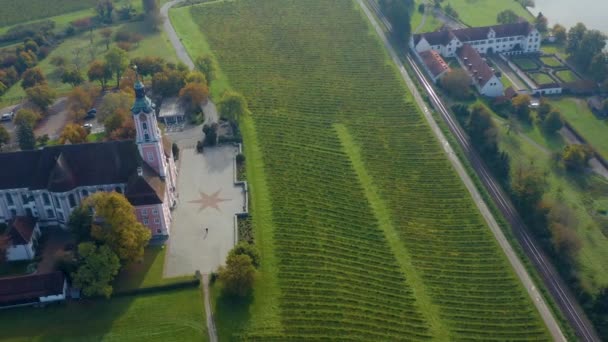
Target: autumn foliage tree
{"points": [[116, 225], [73, 133], [32, 77], [576, 157], [232, 105], [27, 116], [207, 66], [457, 83], [99, 71], [80, 100], [193, 94], [42, 96], [5, 137]]}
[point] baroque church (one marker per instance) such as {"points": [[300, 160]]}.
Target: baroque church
{"points": [[49, 183]]}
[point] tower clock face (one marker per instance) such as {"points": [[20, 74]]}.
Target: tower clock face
{"points": [[142, 117]]}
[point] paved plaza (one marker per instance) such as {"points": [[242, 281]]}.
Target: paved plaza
{"points": [[203, 232]]}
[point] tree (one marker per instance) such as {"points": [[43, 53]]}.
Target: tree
{"points": [[104, 9], [457, 83], [238, 275], [193, 94], [27, 116], [196, 77], [168, 82], [25, 60], [32, 77], [507, 17], [99, 71], [71, 76], [116, 225], [148, 65], [152, 13], [521, 106], [80, 222], [553, 122], [575, 36], [592, 44], [42, 96], [206, 65], [113, 103], [544, 108], [97, 268], [482, 130], [80, 100], [25, 136], [117, 62], [598, 67], [106, 34], [541, 23], [125, 131], [528, 185], [232, 105], [73, 133], [576, 157], [560, 34], [5, 137], [246, 248]]}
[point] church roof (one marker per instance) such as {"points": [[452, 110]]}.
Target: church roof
{"points": [[62, 168], [145, 187], [142, 102]]}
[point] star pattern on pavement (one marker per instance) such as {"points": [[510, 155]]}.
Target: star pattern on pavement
{"points": [[209, 201]]}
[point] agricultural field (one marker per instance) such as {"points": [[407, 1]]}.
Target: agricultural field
{"points": [[16, 12], [176, 315], [484, 12], [365, 230], [566, 75], [541, 78]]}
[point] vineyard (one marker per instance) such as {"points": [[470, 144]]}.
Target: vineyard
{"points": [[16, 12], [374, 236]]}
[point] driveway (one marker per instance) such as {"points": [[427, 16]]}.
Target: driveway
{"points": [[203, 231]]}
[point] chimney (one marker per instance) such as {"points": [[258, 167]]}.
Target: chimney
{"points": [[140, 171]]}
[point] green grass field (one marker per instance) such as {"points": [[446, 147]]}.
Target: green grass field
{"points": [[584, 195], [365, 230], [484, 12], [525, 63], [153, 44], [551, 61], [541, 78], [567, 76], [168, 316], [15, 12], [577, 113]]}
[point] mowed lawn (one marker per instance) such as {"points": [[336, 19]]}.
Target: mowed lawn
{"points": [[365, 230], [167, 316], [484, 12], [577, 113]]}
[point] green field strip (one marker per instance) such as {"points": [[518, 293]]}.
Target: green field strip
{"points": [[385, 222], [266, 295]]}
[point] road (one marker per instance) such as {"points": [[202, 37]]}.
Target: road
{"points": [[553, 282]]}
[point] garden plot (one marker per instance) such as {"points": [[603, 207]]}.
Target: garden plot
{"points": [[306, 66]]}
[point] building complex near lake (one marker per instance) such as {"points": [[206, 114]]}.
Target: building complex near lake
{"points": [[468, 45], [49, 183]]}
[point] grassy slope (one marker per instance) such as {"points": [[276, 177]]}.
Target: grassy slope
{"points": [[311, 149], [582, 119], [14, 12], [593, 258], [167, 316], [483, 12], [153, 44]]}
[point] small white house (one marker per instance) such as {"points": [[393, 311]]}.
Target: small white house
{"points": [[23, 233]]}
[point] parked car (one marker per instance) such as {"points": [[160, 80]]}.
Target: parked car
{"points": [[91, 114], [88, 126], [8, 116]]}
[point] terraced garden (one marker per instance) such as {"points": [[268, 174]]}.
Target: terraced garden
{"points": [[367, 233]]}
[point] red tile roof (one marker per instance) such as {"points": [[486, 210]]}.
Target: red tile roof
{"points": [[434, 62], [21, 229], [475, 65], [28, 288]]}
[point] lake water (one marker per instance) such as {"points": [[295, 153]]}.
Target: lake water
{"points": [[592, 13]]}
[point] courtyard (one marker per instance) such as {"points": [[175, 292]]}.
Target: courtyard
{"points": [[203, 230]]}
